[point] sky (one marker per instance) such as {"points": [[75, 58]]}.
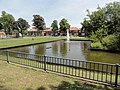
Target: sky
{"points": [[73, 10]]}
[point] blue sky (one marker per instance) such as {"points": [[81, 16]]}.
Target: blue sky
{"points": [[73, 10]]}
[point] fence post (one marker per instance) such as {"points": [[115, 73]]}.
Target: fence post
{"points": [[44, 63], [116, 75], [7, 54]]}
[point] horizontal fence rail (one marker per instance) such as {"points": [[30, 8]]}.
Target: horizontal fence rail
{"points": [[100, 72]]}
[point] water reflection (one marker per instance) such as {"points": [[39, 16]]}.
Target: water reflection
{"points": [[55, 48], [63, 49], [40, 49], [74, 50], [99, 56]]}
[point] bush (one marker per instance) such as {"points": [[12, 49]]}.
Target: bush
{"points": [[97, 45], [110, 42]]}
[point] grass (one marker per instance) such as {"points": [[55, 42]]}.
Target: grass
{"points": [[13, 77], [79, 39], [12, 42], [25, 40]]}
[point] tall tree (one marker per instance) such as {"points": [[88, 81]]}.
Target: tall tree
{"points": [[64, 25], [38, 22], [54, 26], [21, 25], [7, 20]]}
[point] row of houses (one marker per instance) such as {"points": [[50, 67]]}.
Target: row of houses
{"points": [[74, 31]]}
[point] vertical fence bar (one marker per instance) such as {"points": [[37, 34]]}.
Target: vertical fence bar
{"points": [[111, 74], [44, 63], [116, 75], [90, 71]]}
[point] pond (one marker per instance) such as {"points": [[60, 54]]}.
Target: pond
{"points": [[78, 50]]}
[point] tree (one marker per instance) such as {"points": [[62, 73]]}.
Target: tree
{"points": [[94, 21], [103, 25], [21, 25], [7, 20], [86, 27], [113, 17], [54, 26], [64, 25], [39, 23], [1, 26]]}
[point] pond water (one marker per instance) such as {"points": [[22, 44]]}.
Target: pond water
{"points": [[73, 50]]}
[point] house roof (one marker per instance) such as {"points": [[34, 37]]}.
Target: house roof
{"points": [[32, 30], [74, 29], [47, 30]]}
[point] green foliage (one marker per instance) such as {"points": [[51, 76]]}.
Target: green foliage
{"points": [[113, 17], [96, 45], [54, 26], [21, 25], [64, 25], [110, 42], [102, 23], [38, 22], [1, 26], [98, 35], [7, 20], [96, 20]]}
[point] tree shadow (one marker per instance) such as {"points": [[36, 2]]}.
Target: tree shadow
{"points": [[76, 85], [41, 88], [72, 86], [4, 88]]}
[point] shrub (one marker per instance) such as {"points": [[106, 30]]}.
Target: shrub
{"points": [[110, 42], [97, 45]]}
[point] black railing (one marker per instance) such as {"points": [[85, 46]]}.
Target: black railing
{"points": [[96, 71]]}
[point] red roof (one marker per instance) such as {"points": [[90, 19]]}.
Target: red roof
{"points": [[74, 28]]}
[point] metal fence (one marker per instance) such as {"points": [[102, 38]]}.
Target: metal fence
{"points": [[96, 71]]}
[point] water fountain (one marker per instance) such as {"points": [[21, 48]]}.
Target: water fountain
{"points": [[68, 36]]}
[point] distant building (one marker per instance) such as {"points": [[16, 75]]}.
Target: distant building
{"points": [[32, 32], [35, 32], [47, 32], [2, 35], [74, 31]]}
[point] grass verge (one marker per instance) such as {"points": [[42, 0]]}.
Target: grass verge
{"points": [[4, 43], [79, 39]]}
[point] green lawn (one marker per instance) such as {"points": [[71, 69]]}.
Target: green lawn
{"points": [[14, 77], [25, 40], [11, 42], [79, 39]]}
